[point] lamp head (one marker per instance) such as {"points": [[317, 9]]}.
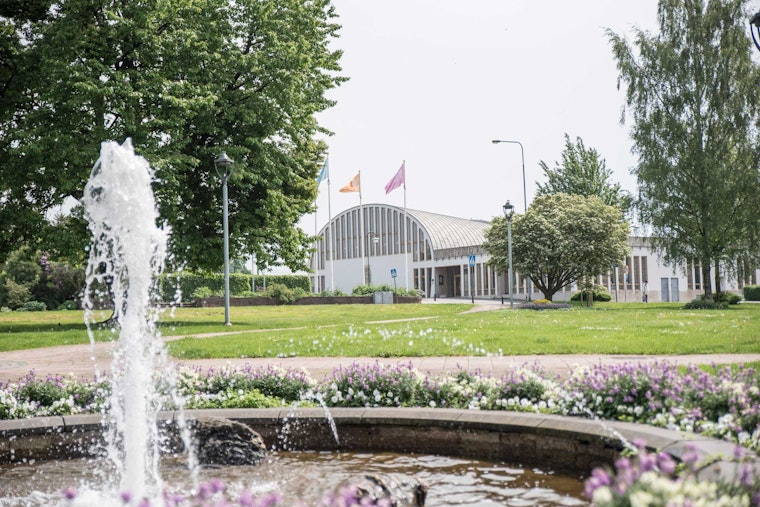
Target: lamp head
{"points": [[509, 210], [496, 141], [223, 164], [755, 20]]}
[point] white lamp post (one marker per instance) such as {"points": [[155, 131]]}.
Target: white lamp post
{"points": [[525, 192], [509, 210], [223, 165]]}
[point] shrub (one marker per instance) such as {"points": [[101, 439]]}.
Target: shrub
{"points": [[705, 304], [184, 283], [32, 306], [544, 306], [600, 295], [752, 292], [333, 293], [284, 294], [15, 294], [201, 292], [68, 305], [368, 290], [58, 283], [731, 298]]}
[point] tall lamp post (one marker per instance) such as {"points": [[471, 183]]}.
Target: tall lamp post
{"points": [[525, 192], [372, 239], [754, 26], [509, 210], [223, 165]]}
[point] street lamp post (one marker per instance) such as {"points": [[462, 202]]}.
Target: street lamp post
{"points": [[223, 165], [509, 210], [373, 239], [525, 192]]}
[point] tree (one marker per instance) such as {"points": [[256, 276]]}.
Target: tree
{"points": [[692, 95], [583, 172], [560, 239], [184, 80]]}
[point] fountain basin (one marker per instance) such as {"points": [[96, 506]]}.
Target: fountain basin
{"points": [[566, 444]]}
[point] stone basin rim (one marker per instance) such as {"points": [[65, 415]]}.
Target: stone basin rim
{"points": [[564, 443]]}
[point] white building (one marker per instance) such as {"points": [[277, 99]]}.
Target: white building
{"points": [[442, 256]]}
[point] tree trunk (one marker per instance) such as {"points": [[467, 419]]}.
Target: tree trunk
{"points": [[706, 282], [717, 280]]}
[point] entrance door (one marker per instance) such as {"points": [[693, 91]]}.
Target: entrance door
{"points": [[674, 290], [665, 289], [457, 285]]}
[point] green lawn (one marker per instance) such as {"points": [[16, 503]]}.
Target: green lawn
{"points": [[358, 330]]}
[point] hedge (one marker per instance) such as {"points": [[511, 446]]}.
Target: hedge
{"points": [[239, 283], [752, 292]]}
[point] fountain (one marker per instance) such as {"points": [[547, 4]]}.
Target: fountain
{"points": [[128, 253]]}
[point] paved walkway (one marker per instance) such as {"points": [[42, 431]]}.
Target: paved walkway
{"points": [[83, 361]]}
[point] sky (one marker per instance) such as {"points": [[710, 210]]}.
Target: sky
{"points": [[432, 82]]}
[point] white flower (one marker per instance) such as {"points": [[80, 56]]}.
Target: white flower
{"points": [[602, 496], [432, 403]]}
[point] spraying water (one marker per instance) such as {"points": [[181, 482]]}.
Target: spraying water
{"points": [[127, 255]]}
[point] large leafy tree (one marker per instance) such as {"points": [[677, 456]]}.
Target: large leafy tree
{"points": [[583, 171], [692, 96], [560, 239], [184, 80]]}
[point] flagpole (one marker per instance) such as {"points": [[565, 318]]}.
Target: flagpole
{"points": [[329, 231], [406, 252], [361, 231], [316, 242]]}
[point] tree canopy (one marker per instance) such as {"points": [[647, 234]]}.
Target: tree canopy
{"points": [[692, 98], [185, 81], [560, 239], [582, 171]]}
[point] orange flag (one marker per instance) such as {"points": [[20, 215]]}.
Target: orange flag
{"points": [[354, 185]]}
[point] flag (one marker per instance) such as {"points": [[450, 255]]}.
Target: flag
{"points": [[324, 173], [354, 185], [398, 180]]}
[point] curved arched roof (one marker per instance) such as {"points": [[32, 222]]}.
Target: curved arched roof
{"points": [[446, 233], [450, 232]]}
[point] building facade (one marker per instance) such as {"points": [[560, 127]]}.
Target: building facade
{"points": [[442, 256]]}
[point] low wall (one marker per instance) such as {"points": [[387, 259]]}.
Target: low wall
{"points": [[566, 444], [309, 300]]}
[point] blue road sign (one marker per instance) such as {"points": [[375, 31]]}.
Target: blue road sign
{"points": [[472, 261], [393, 273]]}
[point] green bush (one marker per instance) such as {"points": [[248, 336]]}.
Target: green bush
{"points": [[730, 298], [285, 295], [15, 294], [32, 306], [68, 305], [705, 304], [201, 292], [752, 292], [333, 293], [368, 290], [240, 283], [600, 295]]}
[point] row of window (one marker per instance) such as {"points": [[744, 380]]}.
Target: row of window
{"points": [[372, 231]]}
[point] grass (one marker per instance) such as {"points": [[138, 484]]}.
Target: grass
{"points": [[419, 330]]}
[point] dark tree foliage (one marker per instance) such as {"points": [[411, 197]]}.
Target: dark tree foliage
{"points": [[184, 80]]}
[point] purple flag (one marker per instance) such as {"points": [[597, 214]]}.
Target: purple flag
{"points": [[398, 180]]}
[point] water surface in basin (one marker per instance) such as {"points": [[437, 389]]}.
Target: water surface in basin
{"points": [[308, 476]]}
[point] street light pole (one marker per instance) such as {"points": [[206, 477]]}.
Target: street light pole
{"points": [[372, 239], [223, 165], [509, 210], [525, 191]]}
